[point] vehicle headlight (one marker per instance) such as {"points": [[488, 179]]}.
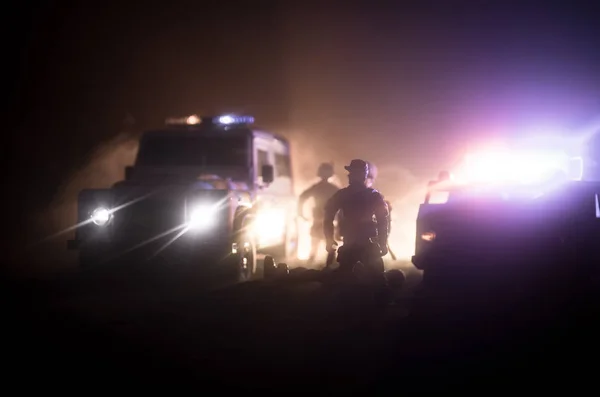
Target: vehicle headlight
{"points": [[202, 217], [101, 216]]}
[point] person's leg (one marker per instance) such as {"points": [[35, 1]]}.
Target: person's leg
{"points": [[371, 257], [314, 247], [315, 239], [346, 258], [378, 265]]}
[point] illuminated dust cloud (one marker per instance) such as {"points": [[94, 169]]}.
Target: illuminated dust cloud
{"points": [[399, 186], [105, 167]]}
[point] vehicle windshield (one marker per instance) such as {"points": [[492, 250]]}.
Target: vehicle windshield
{"points": [[194, 151]]}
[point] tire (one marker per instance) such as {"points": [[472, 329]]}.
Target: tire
{"points": [[269, 267], [282, 269], [245, 263]]}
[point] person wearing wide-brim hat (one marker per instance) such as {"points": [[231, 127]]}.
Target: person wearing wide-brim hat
{"points": [[365, 217]]}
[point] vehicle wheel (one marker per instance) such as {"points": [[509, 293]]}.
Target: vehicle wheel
{"points": [[269, 267], [246, 263], [282, 269]]}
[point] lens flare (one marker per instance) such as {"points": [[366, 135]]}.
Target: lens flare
{"points": [[202, 217], [515, 166]]}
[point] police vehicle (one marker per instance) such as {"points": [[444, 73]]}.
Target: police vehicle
{"points": [[202, 188], [526, 210]]}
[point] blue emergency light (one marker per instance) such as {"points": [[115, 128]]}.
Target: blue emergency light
{"points": [[229, 119]]}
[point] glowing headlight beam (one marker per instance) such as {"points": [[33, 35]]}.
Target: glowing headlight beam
{"points": [[203, 216], [101, 216]]}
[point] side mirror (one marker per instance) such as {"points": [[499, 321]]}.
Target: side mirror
{"points": [[267, 173], [128, 172]]}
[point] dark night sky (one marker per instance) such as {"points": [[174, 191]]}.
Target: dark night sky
{"points": [[396, 79]]}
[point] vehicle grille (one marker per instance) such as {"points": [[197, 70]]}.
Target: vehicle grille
{"points": [[166, 216], [149, 216]]}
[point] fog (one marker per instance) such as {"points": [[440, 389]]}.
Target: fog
{"points": [[399, 185]]}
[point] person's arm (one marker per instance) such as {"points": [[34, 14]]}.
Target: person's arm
{"points": [[331, 209], [389, 216], [305, 195], [382, 214], [430, 187]]}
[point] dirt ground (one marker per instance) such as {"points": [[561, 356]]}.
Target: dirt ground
{"points": [[304, 331]]}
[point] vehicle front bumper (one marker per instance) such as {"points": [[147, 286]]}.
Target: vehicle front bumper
{"points": [[182, 248]]}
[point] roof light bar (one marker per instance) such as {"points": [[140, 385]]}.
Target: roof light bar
{"points": [[228, 119], [188, 120]]}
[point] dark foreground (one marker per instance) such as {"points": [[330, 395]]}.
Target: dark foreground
{"points": [[149, 328]]}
